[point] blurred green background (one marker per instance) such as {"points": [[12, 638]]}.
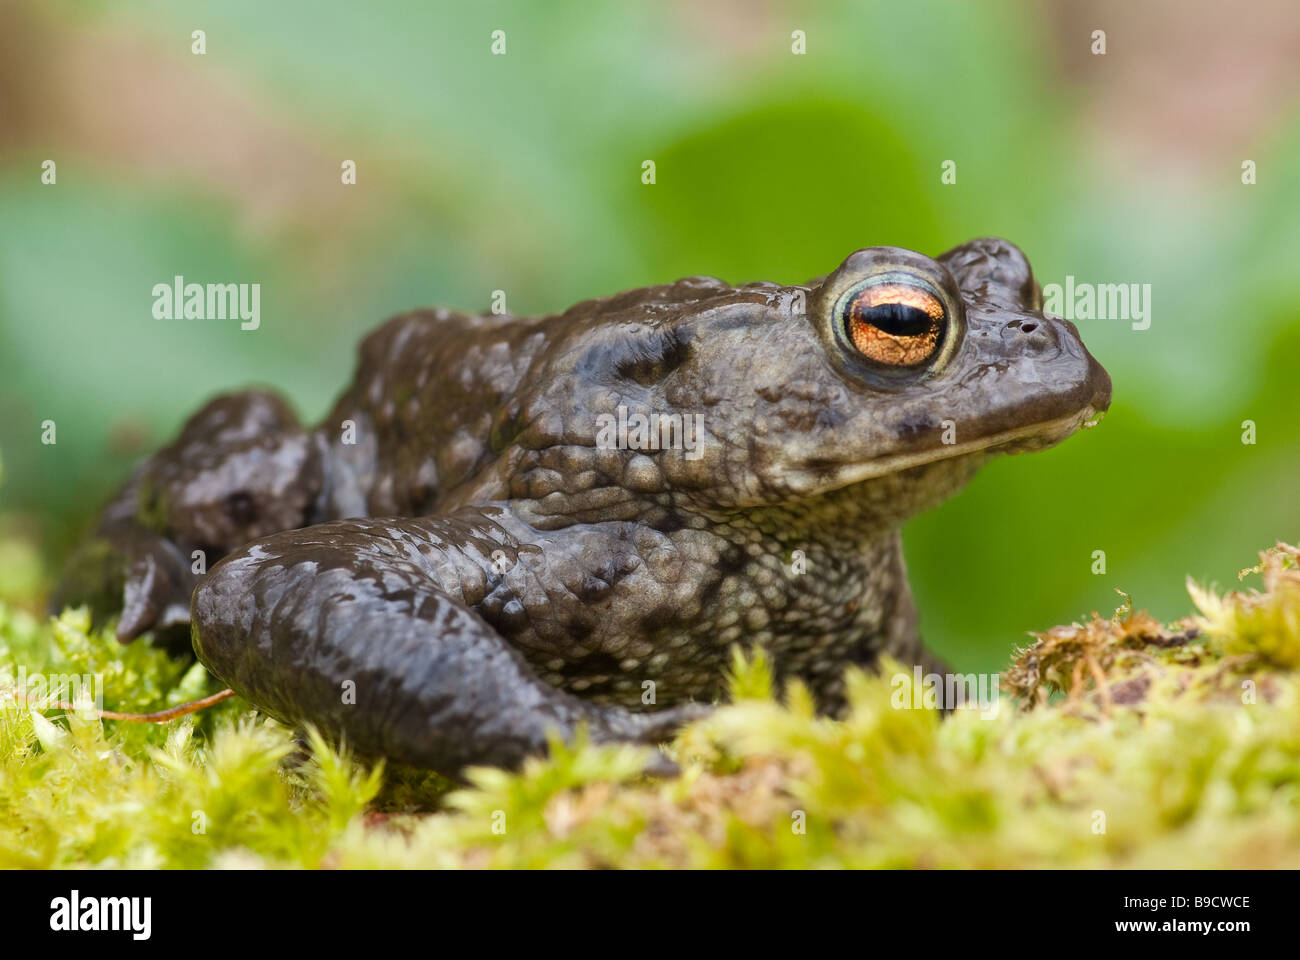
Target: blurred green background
{"points": [[522, 172]]}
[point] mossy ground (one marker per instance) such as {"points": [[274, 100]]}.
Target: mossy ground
{"points": [[1120, 742]]}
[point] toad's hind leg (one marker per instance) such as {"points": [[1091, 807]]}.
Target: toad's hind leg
{"points": [[240, 468], [343, 626]]}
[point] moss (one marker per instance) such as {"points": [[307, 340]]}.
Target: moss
{"points": [[1118, 742], [1259, 626], [152, 507]]}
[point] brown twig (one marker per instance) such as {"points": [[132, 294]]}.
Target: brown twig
{"points": [[1076, 685], [160, 716], [1103, 688]]}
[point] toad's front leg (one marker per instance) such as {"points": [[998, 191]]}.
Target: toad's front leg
{"points": [[346, 626]]}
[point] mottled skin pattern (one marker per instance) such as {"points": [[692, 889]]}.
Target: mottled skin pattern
{"points": [[502, 576]]}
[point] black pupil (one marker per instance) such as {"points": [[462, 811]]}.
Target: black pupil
{"points": [[898, 319]]}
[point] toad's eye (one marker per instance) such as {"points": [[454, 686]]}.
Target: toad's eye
{"points": [[894, 322]]}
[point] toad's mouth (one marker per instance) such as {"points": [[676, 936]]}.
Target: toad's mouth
{"points": [[1033, 436]]}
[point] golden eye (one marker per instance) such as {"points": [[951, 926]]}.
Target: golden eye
{"points": [[895, 323]]}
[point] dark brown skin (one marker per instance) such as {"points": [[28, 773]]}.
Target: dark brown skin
{"points": [[505, 572]]}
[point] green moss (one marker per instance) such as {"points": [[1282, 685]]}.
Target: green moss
{"points": [[1119, 742], [1259, 625], [152, 508]]}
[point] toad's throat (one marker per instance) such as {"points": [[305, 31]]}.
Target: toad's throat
{"points": [[1033, 436]]}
